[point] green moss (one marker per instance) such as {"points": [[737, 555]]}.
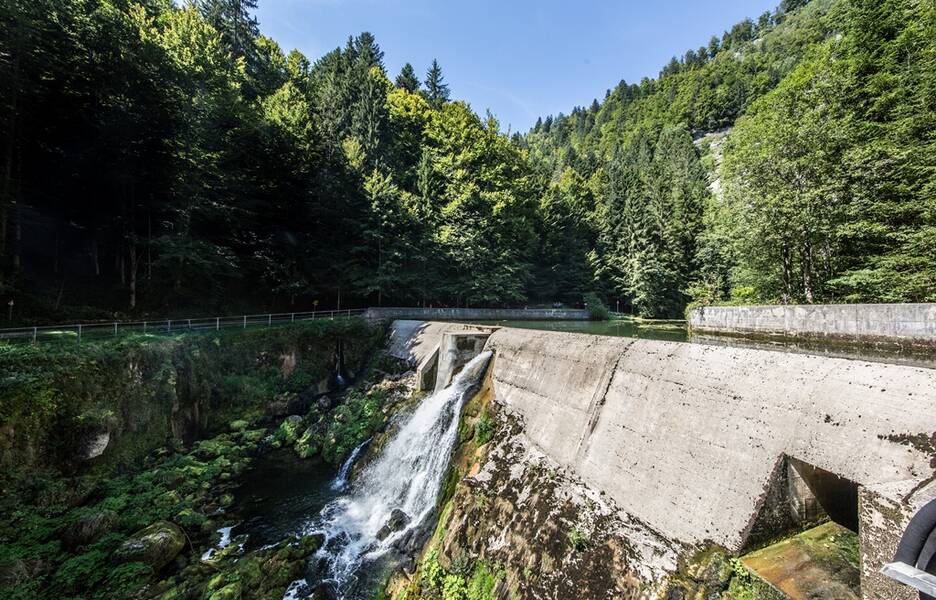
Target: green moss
{"points": [[335, 435], [484, 429], [135, 387], [476, 583], [577, 539]]}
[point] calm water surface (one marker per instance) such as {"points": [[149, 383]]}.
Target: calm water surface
{"points": [[672, 331], [677, 331]]}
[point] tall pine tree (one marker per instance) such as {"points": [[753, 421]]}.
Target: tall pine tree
{"points": [[407, 80], [437, 91]]}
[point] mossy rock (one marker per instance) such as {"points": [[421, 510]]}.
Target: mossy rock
{"points": [[89, 528], [289, 431], [232, 591], [239, 425], [156, 545]]}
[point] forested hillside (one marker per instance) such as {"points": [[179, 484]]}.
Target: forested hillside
{"points": [[816, 181], [166, 158], [163, 158]]}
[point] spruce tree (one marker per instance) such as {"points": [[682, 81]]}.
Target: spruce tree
{"points": [[367, 52], [407, 80], [235, 21], [437, 91]]}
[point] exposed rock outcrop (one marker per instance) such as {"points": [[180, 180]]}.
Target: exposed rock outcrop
{"points": [[156, 545]]}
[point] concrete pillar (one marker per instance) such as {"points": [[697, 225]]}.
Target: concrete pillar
{"points": [[455, 351], [427, 371]]}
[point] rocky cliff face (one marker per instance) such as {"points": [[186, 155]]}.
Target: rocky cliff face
{"points": [[113, 401]]}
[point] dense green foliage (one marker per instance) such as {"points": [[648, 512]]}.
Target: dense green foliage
{"points": [[63, 537], [65, 520], [144, 390], [824, 189], [164, 157], [170, 157]]}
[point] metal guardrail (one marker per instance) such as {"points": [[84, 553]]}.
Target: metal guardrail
{"points": [[167, 326]]}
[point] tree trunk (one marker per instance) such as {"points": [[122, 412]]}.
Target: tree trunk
{"points": [[807, 271], [6, 191], [131, 238], [133, 274], [55, 263], [17, 237], [380, 270], [149, 245], [787, 276], [122, 266], [95, 257]]}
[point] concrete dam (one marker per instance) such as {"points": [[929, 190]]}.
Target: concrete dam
{"points": [[695, 446]]}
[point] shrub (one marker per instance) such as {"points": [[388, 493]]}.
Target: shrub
{"points": [[578, 539], [484, 429], [596, 307]]}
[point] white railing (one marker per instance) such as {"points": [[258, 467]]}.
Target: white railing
{"points": [[167, 326]]}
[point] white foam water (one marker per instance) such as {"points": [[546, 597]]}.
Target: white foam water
{"points": [[222, 544], [406, 476], [340, 483]]}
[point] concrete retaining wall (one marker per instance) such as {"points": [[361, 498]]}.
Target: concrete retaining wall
{"points": [[686, 437], [875, 323], [479, 314]]}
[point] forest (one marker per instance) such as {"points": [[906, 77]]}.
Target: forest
{"points": [[162, 158]]}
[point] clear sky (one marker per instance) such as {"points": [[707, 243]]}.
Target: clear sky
{"points": [[519, 58]]}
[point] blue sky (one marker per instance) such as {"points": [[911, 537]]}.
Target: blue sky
{"points": [[519, 58]]}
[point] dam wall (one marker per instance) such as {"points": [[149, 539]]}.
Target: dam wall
{"points": [[688, 437], [479, 314], [693, 439], [896, 324]]}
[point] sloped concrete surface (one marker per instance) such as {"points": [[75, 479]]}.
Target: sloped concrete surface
{"points": [[686, 437]]}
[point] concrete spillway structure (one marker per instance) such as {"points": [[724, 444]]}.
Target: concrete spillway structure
{"points": [[694, 440]]}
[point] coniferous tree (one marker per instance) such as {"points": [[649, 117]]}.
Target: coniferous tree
{"points": [[713, 46], [437, 91], [407, 79], [367, 53], [235, 21]]}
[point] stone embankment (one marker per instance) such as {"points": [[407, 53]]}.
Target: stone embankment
{"points": [[709, 445]]}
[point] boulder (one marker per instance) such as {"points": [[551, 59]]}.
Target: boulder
{"points": [[94, 445], [277, 408], [13, 573], [397, 521], [156, 545], [93, 433], [89, 528], [288, 403], [289, 430]]}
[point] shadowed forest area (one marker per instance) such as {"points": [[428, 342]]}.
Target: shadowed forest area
{"points": [[160, 158]]}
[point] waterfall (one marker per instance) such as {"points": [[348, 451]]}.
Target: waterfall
{"points": [[392, 498], [341, 480]]}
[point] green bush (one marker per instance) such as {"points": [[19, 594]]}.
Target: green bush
{"points": [[596, 307], [484, 429]]}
